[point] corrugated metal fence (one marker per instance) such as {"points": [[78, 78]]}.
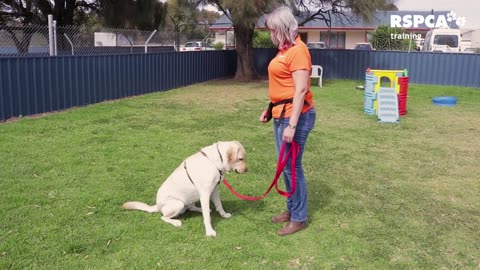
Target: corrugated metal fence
{"points": [[423, 68], [33, 85]]}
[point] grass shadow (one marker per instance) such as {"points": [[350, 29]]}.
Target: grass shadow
{"points": [[320, 195]]}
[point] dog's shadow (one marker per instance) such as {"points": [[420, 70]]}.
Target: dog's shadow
{"points": [[319, 197], [236, 207]]}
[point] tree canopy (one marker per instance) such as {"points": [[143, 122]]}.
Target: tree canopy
{"points": [[36, 12], [383, 38], [134, 14], [182, 15], [311, 10], [245, 14]]}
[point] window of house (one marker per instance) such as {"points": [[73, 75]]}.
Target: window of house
{"points": [[334, 40]]}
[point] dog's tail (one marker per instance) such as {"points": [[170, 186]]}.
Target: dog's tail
{"points": [[141, 206]]}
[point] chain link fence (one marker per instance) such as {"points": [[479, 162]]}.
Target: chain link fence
{"points": [[33, 40], [18, 39]]}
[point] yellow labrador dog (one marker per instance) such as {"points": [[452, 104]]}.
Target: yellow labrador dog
{"points": [[197, 178]]}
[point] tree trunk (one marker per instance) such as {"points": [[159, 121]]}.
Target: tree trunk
{"points": [[69, 11], [59, 12], [22, 45], [244, 45]]}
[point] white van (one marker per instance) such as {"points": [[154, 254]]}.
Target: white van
{"points": [[443, 40], [316, 45]]}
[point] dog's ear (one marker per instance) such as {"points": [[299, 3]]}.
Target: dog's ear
{"points": [[231, 154]]}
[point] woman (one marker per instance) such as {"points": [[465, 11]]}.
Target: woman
{"points": [[293, 111]]}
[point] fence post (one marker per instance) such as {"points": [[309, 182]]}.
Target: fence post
{"points": [[50, 34], [55, 37], [148, 40], [69, 41]]}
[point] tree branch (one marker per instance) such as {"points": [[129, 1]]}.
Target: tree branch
{"points": [[95, 6], [220, 7]]}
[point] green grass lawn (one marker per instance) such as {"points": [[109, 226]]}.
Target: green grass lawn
{"points": [[381, 196]]}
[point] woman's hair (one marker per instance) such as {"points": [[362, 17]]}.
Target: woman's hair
{"points": [[283, 27]]}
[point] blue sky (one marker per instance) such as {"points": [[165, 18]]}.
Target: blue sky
{"points": [[470, 9]]}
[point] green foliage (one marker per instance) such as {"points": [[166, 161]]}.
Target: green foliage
{"points": [[218, 45], [385, 38], [207, 17], [245, 14], [89, 20], [308, 10], [36, 12], [188, 21], [261, 39], [150, 14], [381, 196], [133, 14], [365, 8], [182, 14]]}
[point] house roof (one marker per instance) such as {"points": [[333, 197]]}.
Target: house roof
{"points": [[349, 21]]}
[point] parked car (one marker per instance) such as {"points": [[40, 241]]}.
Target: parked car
{"points": [[471, 50], [195, 46], [365, 46], [316, 45]]}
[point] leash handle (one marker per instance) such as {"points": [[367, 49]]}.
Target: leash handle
{"points": [[282, 163]]}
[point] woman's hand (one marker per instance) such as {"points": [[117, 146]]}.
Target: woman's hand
{"points": [[263, 117], [288, 134]]}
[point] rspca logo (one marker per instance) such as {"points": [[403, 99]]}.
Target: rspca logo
{"points": [[430, 21]]}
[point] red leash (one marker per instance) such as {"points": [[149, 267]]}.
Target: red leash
{"points": [[293, 152]]}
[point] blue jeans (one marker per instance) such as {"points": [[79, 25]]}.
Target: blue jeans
{"points": [[297, 203]]}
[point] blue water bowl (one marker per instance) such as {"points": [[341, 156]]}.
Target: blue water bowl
{"points": [[446, 101]]}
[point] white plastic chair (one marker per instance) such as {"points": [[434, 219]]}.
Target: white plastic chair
{"points": [[317, 72]]}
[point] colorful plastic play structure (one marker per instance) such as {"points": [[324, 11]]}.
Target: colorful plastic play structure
{"points": [[386, 94]]}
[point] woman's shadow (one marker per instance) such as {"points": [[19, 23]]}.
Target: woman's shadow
{"points": [[319, 196]]}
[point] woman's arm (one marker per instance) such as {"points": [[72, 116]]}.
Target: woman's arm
{"points": [[300, 79]]}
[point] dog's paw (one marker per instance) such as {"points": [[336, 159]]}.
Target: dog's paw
{"points": [[176, 223], [226, 215], [211, 233]]}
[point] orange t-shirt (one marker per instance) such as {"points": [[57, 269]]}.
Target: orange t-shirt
{"points": [[280, 80]]}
